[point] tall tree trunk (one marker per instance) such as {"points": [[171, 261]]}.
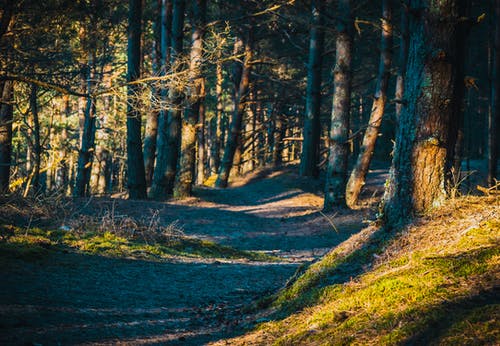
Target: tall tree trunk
{"points": [[494, 116], [136, 182], [201, 139], [37, 147], [418, 172], [237, 116], [216, 140], [339, 128], [358, 174], [152, 118], [195, 98], [62, 174], [167, 151], [6, 118], [310, 147], [403, 58]]}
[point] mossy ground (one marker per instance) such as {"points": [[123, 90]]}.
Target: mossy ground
{"points": [[437, 282], [36, 242]]}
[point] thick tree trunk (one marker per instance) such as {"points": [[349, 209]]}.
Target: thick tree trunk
{"points": [[494, 116], [312, 126], [151, 132], [6, 118], [195, 98], [339, 129], [167, 151], [136, 182], [418, 173], [237, 116], [358, 174]]}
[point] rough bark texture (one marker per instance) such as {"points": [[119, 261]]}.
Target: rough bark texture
{"points": [[312, 127], [195, 98], [358, 174], [494, 116], [237, 116], [167, 152], [151, 132], [418, 172], [136, 182], [339, 129], [6, 113]]}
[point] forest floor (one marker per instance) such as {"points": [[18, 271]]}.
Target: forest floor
{"points": [[70, 297]]}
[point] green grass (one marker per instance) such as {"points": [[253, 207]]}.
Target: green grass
{"points": [[36, 242], [437, 283]]}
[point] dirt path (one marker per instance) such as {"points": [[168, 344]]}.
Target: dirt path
{"points": [[78, 299]]}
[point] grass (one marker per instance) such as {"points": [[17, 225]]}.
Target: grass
{"points": [[35, 243], [436, 282]]}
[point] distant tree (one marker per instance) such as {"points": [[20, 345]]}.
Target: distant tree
{"points": [[418, 174], [336, 175], [358, 174], [309, 159], [195, 100], [167, 151], [135, 161]]}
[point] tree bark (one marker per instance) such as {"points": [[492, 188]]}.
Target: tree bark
{"points": [[195, 98], [6, 119], [237, 116], [358, 174], [216, 140], [167, 151], [339, 129], [201, 139], [37, 147], [87, 141], [494, 116], [151, 132], [136, 182], [403, 59], [418, 172], [310, 147]]}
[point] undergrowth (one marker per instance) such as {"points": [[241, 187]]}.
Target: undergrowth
{"points": [[436, 282]]}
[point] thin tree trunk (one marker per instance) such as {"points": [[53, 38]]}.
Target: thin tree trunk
{"points": [[151, 132], [216, 140], [201, 139], [310, 147], [170, 122], [418, 173], [87, 141], [358, 174], [494, 116], [237, 116], [187, 159], [403, 59], [6, 118], [339, 129], [37, 148], [136, 182]]}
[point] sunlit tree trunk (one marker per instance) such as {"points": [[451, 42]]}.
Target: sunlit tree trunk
{"points": [[418, 172], [195, 98], [6, 118], [136, 181], [358, 174], [201, 139], [336, 175], [167, 151], [494, 116], [237, 116], [37, 147], [217, 134], [312, 126]]}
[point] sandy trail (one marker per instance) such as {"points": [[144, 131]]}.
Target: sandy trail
{"points": [[69, 298]]}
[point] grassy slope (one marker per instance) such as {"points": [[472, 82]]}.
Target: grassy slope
{"points": [[437, 282]]}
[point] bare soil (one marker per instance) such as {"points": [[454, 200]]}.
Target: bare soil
{"points": [[71, 298]]}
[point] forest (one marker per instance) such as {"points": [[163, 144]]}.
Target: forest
{"points": [[249, 172]]}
